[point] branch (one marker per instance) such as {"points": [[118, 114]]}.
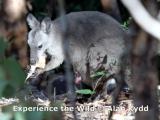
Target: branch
{"points": [[143, 18]]}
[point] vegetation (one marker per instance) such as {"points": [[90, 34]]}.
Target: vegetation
{"points": [[11, 74]]}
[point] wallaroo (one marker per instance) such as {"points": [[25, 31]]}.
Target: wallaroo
{"points": [[95, 40]]}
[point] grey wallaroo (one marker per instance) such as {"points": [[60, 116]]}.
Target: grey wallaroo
{"points": [[95, 39]]}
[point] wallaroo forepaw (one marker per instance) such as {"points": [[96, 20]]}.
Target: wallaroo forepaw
{"points": [[31, 72], [93, 38], [37, 68]]}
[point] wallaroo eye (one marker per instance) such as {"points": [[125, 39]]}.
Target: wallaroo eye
{"points": [[40, 46]]}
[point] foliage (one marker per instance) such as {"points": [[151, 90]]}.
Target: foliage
{"points": [[11, 74], [85, 92], [99, 74], [126, 23]]}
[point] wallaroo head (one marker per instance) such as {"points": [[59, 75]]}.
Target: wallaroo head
{"points": [[38, 37]]}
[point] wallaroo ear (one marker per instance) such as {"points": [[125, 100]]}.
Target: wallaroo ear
{"points": [[46, 24], [32, 21]]}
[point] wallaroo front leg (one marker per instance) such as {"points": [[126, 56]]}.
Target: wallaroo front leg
{"points": [[53, 63]]}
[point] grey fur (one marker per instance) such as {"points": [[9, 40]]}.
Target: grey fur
{"points": [[92, 36]]}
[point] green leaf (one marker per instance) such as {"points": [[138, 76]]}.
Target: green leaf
{"points": [[15, 75], [2, 73], [19, 116], [8, 91], [3, 85], [98, 74], [3, 46], [5, 116], [85, 92], [34, 115]]}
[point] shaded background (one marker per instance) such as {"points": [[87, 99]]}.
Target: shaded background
{"points": [[14, 52]]}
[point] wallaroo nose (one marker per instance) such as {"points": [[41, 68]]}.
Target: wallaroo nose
{"points": [[32, 61]]}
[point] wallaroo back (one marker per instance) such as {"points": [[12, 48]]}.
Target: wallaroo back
{"points": [[95, 39]]}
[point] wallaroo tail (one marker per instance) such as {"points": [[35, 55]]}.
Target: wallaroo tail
{"points": [[95, 40]]}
